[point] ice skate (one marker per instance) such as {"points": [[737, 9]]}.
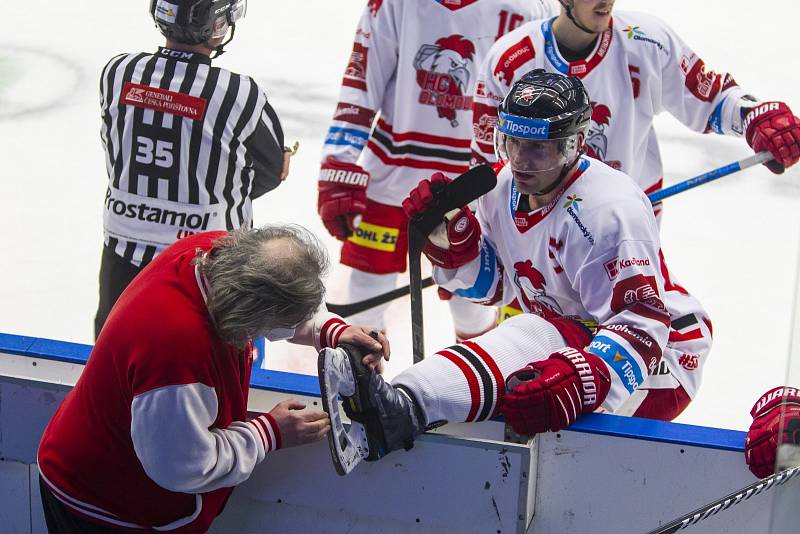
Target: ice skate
{"points": [[383, 418]]}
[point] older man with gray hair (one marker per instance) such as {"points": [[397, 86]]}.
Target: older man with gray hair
{"points": [[155, 434]]}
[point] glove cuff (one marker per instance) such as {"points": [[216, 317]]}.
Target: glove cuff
{"points": [[773, 398], [339, 173], [592, 371]]}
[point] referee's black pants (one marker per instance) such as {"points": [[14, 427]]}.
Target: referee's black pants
{"points": [[115, 274], [60, 521]]}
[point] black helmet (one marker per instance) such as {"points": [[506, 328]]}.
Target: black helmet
{"points": [[196, 21], [539, 123], [545, 105]]}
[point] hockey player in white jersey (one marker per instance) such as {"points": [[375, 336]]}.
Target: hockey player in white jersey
{"points": [[634, 66], [577, 243], [405, 111]]}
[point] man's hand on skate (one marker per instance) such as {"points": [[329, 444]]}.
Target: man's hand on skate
{"points": [[374, 341], [299, 427]]}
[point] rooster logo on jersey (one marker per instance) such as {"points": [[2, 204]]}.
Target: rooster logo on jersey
{"points": [[443, 72], [531, 284], [596, 139]]}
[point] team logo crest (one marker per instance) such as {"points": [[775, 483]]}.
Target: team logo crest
{"points": [[527, 95], [443, 74], [532, 284], [596, 139]]}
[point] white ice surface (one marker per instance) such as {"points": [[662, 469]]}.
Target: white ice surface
{"points": [[733, 243]]}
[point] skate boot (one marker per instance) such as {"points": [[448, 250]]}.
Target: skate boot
{"points": [[383, 417]]}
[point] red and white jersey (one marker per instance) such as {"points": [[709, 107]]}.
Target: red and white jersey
{"points": [[592, 254], [639, 68], [413, 67]]}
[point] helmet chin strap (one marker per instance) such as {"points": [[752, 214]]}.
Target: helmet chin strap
{"points": [[568, 6], [219, 49]]}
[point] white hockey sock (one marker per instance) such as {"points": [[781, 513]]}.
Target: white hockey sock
{"points": [[362, 285], [462, 383], [469, 318]]}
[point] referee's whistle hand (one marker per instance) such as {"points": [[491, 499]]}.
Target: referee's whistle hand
{"points": [[285, 170]]}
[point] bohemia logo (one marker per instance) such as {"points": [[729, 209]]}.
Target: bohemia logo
{"points": [[443, 72], [596, 139], [532, 286]]}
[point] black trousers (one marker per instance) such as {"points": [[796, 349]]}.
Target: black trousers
{"points": [[60, 521], [115, 275]]}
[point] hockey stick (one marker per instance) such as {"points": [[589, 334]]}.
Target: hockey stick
{"points": [[346, 310], [657, 196], [472, 184], [692, 518]]}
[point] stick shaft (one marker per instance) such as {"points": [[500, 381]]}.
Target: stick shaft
{"points": [[346, 310], [710, 176], [692, 518]]}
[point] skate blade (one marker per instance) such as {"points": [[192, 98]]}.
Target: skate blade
{"points": [[348, 446]]}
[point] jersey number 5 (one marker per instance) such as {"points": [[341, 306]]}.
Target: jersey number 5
{"points": [[634, 80]]}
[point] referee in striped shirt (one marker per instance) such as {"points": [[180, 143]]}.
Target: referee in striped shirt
{"points": [[188, 146]]}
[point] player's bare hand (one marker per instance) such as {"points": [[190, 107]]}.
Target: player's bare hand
{"points": [[371, 339], [298, 426]]}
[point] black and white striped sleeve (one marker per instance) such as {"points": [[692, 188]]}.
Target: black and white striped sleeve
{"points": [[265, 148]]}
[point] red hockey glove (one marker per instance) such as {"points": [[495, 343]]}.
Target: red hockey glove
{"points": [[772, 126], [763, 438], [551, 394], [456, 241], [342, 195]]}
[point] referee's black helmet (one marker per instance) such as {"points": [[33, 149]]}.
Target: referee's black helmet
{"points": [[196, 21]]}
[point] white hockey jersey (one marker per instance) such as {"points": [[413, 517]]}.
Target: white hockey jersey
{"points": [[639, 68], [413, 67], [592, 254]]}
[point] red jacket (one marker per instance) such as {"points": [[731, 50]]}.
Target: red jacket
{"points": [[162, 396]]}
